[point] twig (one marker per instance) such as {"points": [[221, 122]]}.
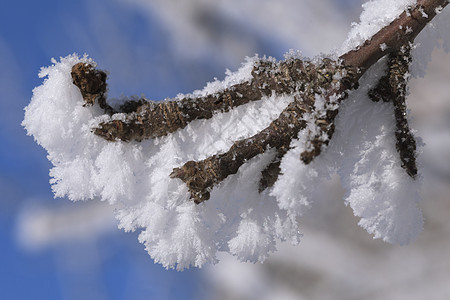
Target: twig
{"points": [[392, 87]]}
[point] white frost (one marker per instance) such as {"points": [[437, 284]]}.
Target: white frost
{"points": [[377, 188], [237, 219], [135, 176]]}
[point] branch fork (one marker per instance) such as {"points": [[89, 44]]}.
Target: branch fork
{"points": [[317, 90]]}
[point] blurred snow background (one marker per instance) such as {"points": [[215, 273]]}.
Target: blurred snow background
{"points": [[55, 249]]}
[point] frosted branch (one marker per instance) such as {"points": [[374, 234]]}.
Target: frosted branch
{"points": [[262, 129], [392, 87], [317, 89], [313, 81], [152, 119]]}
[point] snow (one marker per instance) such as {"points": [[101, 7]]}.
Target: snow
{"points": [[134, 177], [377, 188]]}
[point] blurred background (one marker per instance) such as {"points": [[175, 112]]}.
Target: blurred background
{"points": [[55, 249]]}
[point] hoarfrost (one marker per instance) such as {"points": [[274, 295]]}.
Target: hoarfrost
{"points": [[134, 177], [178, 233], [378, 189]]}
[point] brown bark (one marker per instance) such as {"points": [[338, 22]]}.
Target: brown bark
{"points": [[92, 84]]}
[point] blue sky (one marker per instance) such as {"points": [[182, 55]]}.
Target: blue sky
{"points": [[31, 33]]}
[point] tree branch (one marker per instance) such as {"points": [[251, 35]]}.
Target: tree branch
{"points": [[392, 87], [305, 81], [152, 119]]}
